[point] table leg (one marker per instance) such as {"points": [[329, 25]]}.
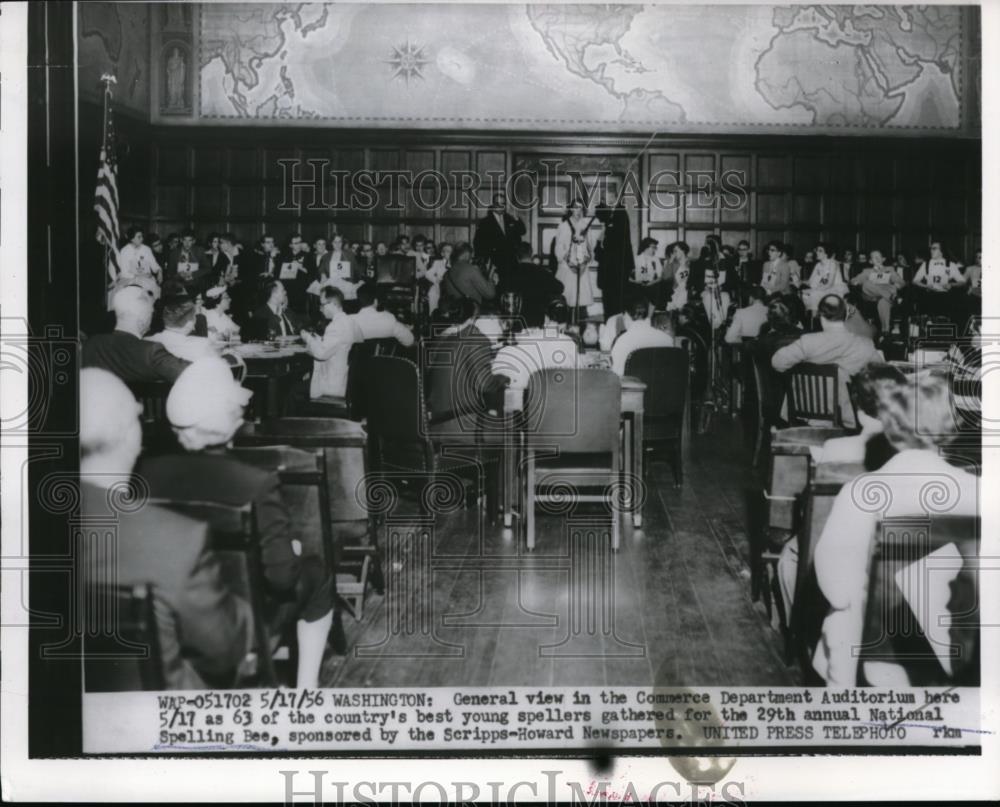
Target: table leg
{"points": [[508, 470], [638, 469]]}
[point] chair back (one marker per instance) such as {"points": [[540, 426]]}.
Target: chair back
{"points": [[344, 444], [899, 564], [395, 400], [814, 393], [456, 371], [153, 397], [356, 392], [575, 411], [157, 435], [305, 491], [770, 388], [665, 371], [126, 655]]}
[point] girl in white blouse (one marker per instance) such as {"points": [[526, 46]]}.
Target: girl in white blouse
{"points": [[827, 277]]}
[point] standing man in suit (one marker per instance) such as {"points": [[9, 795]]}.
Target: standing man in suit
{"points": [[296, 258], [187, 263], [154, 545], [262, 263], [748, 269], [498, 234]]}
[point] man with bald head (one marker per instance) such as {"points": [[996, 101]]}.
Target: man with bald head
{"points": [[124, 352], [205, 409], [210, 631]]}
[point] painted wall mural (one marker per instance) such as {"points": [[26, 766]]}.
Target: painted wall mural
{"points": [[114, 38], [614, 68]]}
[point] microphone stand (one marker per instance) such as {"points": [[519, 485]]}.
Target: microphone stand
{"points": [[710, 404]]}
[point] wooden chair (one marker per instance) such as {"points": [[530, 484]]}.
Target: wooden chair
{"points": [[350, 535], [110, 667], [157, 435], [769, 396], [892, 633], [814, 393], [234, 533], [779, 516], [352, 404], [665, 371], [406, 447], [572, 439]]}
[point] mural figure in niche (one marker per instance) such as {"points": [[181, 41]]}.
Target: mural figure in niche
{"points": [[176, 72]]}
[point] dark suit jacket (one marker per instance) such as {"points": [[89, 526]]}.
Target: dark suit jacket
{"points": [[358, 269], [216, 477], [256, 263], [536, 285], [195, 255], [499, 246], [211, 629], [214, 264], [751, 272], [131, 358], [266, 325], [466, 280]]}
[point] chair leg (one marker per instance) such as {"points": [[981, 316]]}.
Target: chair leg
{"points": [[529, 501], [616, 527], [758, 439]]}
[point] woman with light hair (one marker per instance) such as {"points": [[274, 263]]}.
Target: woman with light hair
{"points": [[917, 418]]}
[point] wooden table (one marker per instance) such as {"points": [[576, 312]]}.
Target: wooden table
{"points": [[632, 407], [271, 366]]}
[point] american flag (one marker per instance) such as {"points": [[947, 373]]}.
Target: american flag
{"points": [[106, 194]]}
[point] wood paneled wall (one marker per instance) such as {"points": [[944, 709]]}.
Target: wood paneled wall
{"points": [[863, 193]]}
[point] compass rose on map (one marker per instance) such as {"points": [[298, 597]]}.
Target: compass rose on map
{"points": [[408, 61]]}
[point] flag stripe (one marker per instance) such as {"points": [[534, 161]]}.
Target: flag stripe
{"points": [[106, 194]]}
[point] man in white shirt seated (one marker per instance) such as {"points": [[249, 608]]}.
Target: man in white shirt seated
{"points": [[619, 323], [375, 324], [330, 351], [542, 345], [835, 344], [640, 334], [748, 321], [177, 336]]}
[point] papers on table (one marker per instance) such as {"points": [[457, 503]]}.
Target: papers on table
{"points": [[290, 271]]}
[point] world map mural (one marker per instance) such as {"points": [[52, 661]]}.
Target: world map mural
{"points": [[114, 38], [575, 67]]}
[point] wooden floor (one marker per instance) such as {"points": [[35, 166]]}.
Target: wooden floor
{"points": [[671, 608]]}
